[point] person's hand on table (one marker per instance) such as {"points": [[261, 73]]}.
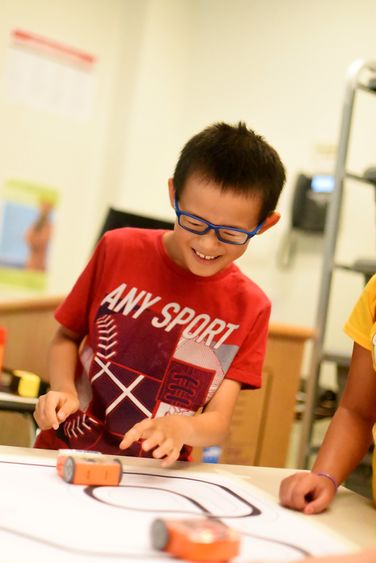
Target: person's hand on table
{"points": [[307, 492], [165, 436], [54, 408]]}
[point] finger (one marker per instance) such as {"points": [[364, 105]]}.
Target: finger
{"points": [[303, 496], [53, 423], [37, 417], [284, 493], [296, 493], [130, 437], [287, 489], [170, 458], [67, 407], [49, 414], [46, 413], [38, 410], [133, 435], [62, 414], [154, 440], [164, 449], [319, 503]]}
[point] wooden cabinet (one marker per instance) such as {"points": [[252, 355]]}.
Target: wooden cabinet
{"points": [[30, 326], [262, 421]]}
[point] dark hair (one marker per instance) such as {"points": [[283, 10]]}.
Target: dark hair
{"points": [[237, 159]]}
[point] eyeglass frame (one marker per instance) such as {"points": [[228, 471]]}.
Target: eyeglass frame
{"points": [[215, 228]]}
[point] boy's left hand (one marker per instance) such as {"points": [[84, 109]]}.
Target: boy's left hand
{"points": [[165, 436]]}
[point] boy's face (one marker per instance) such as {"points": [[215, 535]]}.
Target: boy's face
{"points": [[205, 255]]}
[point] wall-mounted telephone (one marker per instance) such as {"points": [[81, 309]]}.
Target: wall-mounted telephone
{"points": [[309, 209], [310, 202]]}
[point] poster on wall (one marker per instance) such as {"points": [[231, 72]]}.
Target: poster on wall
{"points": [[49, 76], [27, 216]]}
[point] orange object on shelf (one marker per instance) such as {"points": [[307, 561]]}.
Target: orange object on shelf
{"points": [[81, 467], [200, 539]]}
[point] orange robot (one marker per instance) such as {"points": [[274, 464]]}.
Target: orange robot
{"points": [[201, 539], [88, 468]]}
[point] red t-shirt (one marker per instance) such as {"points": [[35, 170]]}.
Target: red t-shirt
{"points": [[159, 339]]}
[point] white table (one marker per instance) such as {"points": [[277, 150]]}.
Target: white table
{"points": [[351, 519]]}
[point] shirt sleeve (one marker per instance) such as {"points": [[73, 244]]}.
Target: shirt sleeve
{"points": [[74, 312], [248, 362], [362, 318]]}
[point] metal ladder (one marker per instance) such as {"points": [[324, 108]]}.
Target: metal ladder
{"points": [[361, 76]]}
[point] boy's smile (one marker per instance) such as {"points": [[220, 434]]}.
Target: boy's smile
{"points": [[205, 255]]}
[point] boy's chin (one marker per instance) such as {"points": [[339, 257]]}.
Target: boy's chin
{"points": [[205, 271]]}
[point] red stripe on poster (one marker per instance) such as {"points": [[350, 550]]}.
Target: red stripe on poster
{"points": [[33, 39]]}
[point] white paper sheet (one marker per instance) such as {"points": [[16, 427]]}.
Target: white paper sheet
{"points": [[43, 518], [48, 76]]}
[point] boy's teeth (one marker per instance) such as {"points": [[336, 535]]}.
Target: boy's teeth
{"points": [[205, 257]]}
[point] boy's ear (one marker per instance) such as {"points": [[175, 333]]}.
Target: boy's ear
{"points": [[270, 221], [171, 191]]}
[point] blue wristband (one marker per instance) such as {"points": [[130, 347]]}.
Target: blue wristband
{"points": [[328, 476]]}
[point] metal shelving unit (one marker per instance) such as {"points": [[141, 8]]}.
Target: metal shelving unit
{"points": [[361, 77]]}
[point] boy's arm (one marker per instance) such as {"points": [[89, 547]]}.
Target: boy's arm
{"points": [[62, 399], [169, 433], [346, 441]]}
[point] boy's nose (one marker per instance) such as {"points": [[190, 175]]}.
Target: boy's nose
{"points": [[209, 240]]}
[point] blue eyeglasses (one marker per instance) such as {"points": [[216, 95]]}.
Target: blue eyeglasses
{"points": [[229, 235]]}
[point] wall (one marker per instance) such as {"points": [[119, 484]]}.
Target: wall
{"points": [[281, 67], [63, 152]]}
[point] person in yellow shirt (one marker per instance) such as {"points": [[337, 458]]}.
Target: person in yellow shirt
{"points": [[349, 435]]}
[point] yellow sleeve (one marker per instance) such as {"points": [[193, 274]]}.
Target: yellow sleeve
{"points": [[362, 319]]}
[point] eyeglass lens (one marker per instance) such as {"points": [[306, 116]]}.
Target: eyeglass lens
{"points": [[195, 225]]}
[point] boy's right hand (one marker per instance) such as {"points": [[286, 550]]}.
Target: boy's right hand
{"points": [[54, 408], [307, 492]]}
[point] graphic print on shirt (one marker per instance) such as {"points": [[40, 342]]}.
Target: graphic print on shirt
{"points": [[148, 364]]}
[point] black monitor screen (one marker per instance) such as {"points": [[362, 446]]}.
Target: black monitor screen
{"points": [[116, 219]]}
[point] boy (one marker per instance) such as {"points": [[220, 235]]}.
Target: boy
{"points": [[165, 322], [350, 432]]}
